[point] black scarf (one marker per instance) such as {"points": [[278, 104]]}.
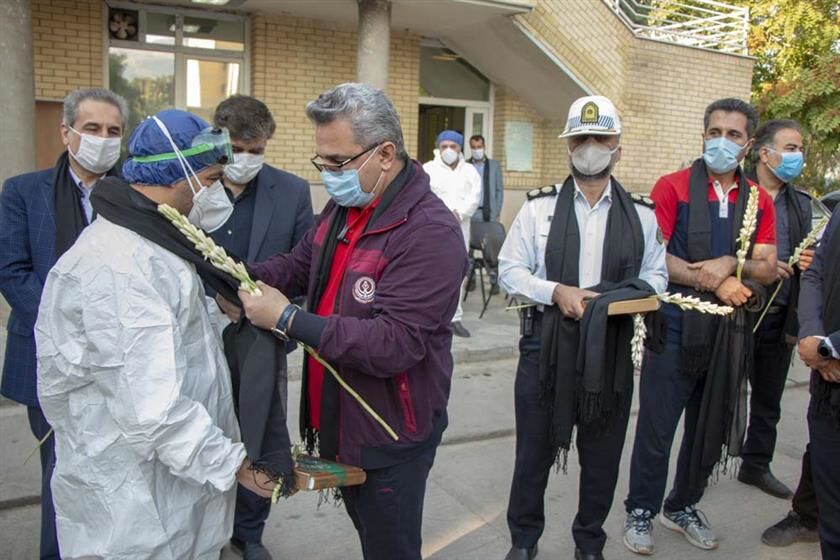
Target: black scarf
{"points": [[485, 181], [698, 329], [799, 228], [252, 353], [568, 387], [70, 217], [825, 395], [327, 438], [720, 347], [722, 420]]}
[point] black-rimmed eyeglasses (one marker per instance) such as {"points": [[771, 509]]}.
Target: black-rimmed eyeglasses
{"points": [[322, 165]]}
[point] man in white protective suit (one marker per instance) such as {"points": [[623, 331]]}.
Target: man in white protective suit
{"points": [[458, 185], [131, 373]]}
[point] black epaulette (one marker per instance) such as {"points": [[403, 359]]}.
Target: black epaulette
{"points": [[643, 200], [550, 190]]}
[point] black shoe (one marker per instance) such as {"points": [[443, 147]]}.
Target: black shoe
{"points": [[788, 531], [521, 553], [494, 290], [766, 482], [458, 329], [250, 550], [588, 555], [470, 284]]}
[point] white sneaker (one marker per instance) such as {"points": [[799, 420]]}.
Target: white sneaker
{"points": [[693, 524], [638, 532]]}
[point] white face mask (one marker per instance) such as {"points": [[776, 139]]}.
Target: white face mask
{"points": [[211, 205], [244, 168], [478, 153], [449, 156], [96, 154], [592, 158]]}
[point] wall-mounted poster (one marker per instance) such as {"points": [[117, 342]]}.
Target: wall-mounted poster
{"points": [[519, 146]]}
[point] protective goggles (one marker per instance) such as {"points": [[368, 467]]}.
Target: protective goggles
{"points": [[211, 146]]}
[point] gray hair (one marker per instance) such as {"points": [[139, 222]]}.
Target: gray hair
{"points": [[75, 98], [372, 116]]}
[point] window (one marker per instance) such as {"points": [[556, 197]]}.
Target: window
{"points": [[162, 58]]}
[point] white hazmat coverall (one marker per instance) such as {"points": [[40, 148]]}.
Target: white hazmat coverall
{"points": [[132, 378], [460, 191]]}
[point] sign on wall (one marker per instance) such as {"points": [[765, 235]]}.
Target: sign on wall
{"points": [[519, 146]]}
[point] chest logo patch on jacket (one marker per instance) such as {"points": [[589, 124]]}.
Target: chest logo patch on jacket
{"points": [[364, 289]]}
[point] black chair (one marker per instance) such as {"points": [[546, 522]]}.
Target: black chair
{"points": [[486, 239]]}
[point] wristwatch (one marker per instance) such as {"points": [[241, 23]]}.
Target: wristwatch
{"points": [[824, 350], [281, 329]]}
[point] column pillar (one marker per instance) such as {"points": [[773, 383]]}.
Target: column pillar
{"points": [[374, 42], [17, 89]]}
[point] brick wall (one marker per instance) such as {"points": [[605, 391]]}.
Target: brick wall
{"points": [[589, 39], [668, 90], [661, 90], [655, 85], [510, 108], [294, 59], [68, 40]]}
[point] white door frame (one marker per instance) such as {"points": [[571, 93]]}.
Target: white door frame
{"points": [[471, 106]]}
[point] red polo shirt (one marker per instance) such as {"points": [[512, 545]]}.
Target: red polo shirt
{"points": [[357, 219]]}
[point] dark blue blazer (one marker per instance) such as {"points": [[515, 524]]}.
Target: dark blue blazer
{"points": [[27, 253], [282, 214]]}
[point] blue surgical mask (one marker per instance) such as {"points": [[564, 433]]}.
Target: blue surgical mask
{"points": [[345, 188], [721, 154], [790, 167]]}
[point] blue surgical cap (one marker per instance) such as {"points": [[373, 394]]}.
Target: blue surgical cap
{"points": [[148, 140], [452, 136]]}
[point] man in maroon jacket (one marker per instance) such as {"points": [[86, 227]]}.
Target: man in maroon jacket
{"points": [[381, 270]]}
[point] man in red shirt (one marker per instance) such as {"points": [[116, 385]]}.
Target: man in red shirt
{"points": [[699, 210], [381, 269]]}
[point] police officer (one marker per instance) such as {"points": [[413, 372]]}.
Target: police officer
{"points": [[593, 221]]}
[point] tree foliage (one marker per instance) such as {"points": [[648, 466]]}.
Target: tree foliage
{"points": [[796, 44]]}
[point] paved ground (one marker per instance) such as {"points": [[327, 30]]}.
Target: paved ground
{"points": [[468, 487]]}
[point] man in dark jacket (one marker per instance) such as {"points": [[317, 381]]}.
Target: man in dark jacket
{"points": [[272, 210], [379, 314], [778, 161], [41, 215], [819, 341]]}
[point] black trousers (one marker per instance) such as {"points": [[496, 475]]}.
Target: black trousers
{"points": [[599, 453], [805, 498], [387, 510], [252, 510], [825, 466], [49, 537], [772, 362], [664, 393]]}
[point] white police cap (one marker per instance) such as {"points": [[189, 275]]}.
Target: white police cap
{"points": [[593, 114]]}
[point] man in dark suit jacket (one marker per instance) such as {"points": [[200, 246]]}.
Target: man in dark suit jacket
{"points": [[41, 215], [492, 198], [272, 212]]}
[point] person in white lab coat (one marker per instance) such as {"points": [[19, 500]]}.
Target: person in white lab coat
{"points": [[131, 373], [458, 185]]}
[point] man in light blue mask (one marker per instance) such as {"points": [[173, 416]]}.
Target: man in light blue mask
{"points": [[381, 270], [779, 160], [700, 210]]}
